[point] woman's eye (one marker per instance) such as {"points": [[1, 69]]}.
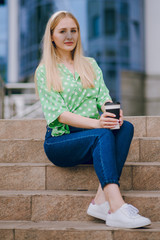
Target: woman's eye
{"points": [[73, 30], [62, 31]]}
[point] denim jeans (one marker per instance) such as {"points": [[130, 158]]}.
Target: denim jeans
{"points": [[106, 149]]}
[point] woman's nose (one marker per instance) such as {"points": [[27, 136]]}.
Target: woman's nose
{"points": [[69, 35]]}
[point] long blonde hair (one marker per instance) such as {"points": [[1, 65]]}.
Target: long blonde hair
{"points": [[50, 60]]}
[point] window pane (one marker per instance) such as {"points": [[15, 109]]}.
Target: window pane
{"points": [[124, 9], [124, 30], [96, 26], [124, 51], [110, 21]]}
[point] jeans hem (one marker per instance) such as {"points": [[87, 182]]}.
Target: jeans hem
{"points": [[109, 182]]}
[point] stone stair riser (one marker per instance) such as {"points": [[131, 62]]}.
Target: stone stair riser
{"points": [[31, 151], [76, 178], [149, 150], [66, 207], [22, 178], [22, 151], [83, 235], [65, 235], [35, 128]]}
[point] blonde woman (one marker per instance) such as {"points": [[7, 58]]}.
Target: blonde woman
{"points": [[72, 91]]}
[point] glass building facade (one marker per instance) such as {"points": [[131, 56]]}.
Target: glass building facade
{"points": [[33, 18], [3, 39], [116, 38]]}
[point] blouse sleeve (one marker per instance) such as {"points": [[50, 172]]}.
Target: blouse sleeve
{"points": [[52, 102], [103, 92]]}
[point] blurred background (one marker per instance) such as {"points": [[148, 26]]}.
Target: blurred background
{"points": [[122, 35]]}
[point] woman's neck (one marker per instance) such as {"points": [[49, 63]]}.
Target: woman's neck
{"points": [[65, 57]]}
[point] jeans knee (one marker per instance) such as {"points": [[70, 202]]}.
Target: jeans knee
{"points": [[104, 131], [129, 126]]}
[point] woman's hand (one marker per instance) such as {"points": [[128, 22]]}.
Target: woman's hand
{"points": [[107, 120]]}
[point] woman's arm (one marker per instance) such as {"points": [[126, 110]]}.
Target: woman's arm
{"points": [[106, 120]]}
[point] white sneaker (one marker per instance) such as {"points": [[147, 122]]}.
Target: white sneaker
{"points": [[126, 217], [98, 211]]}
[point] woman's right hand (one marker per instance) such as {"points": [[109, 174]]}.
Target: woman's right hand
{"points": [[107, 120]]}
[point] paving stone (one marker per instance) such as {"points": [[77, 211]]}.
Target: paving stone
{"points": [[65, 235], [146, 177], [73, 178], [150, 149], [136, 235], [133, 155], [15, 208], [153, 129], [60, 207], [139, 123], [6, 234], [22, 129], [22, 177], [24, 150], [81, 178]]}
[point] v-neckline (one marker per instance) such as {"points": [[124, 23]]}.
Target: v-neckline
{"points": [[74, 75]]}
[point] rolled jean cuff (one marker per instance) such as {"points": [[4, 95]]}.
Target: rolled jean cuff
{"points": [[109, 182]]}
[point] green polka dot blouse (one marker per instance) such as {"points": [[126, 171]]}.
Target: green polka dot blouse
{"points": [[74, 98]]}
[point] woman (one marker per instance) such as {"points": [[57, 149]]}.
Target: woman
{"points": [[72, 91]]}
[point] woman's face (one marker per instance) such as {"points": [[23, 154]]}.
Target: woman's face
{"points": [[65, 35]]}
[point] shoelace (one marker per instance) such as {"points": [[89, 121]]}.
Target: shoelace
{"points": [[131, 210]]}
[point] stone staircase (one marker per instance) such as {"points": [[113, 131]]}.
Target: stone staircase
{"points": [[39, 201]]}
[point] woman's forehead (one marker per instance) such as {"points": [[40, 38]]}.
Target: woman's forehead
{"points": [[66, 22]]}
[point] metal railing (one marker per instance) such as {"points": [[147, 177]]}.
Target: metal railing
{"points": [[9, 90]]}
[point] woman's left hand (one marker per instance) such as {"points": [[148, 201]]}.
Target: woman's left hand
{"points": [[121, 118]]}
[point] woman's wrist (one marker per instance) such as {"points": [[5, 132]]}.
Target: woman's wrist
{"points": [[96, 123]]}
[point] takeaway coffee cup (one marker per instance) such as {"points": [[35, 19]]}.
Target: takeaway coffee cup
{"points": [[115, 109]]}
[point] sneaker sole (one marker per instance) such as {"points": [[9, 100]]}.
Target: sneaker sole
{"points": [[118, 225], [96, 215]]}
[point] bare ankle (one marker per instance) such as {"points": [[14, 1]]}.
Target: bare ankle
{"points": [[114, 207]]}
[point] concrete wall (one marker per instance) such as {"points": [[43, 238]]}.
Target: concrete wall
{"points": [[152, 57], [132, 93]]}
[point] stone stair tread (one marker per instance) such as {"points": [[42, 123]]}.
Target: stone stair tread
{"points": [[41, 140], [130, 193], [74, 230], [84, 165], [69, 225]]}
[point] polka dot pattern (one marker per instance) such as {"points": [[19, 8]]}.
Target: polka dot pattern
{"points": [[84, 102]]}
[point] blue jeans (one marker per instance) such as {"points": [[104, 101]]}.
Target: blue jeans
{"points": [[106, 149]]}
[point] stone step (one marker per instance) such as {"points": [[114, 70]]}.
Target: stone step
{"points": [[46, 176], [143, 149], [22, 151], [67, 205], [145, 126], [74, 230]]}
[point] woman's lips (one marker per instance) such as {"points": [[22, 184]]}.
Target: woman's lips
{"points": [[68, 43]]}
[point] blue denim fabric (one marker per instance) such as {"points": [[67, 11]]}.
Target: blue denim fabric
{"points": [[107, 149]]}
